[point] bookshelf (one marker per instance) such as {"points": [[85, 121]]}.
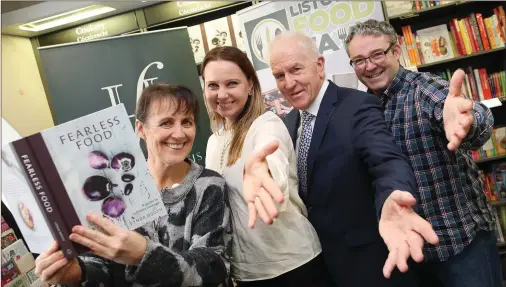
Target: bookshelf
{"points": [[427, 11], [490, 159], [459, 58]]}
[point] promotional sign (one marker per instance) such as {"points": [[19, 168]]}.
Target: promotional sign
{"points": [[327, 22], [109, 27], [83, 78]]}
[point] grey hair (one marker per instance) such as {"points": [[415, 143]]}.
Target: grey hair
{"points": [[371, 27], [305, 42]]}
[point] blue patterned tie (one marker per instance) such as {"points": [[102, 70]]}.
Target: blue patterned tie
{"points": [[304, 143]]}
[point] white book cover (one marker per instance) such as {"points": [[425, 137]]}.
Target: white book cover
{"points": [[436, 45], [94, 163]]}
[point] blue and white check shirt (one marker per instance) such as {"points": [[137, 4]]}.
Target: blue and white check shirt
{"points": [[451, 194]]}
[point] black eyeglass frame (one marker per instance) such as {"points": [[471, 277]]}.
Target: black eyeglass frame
{"points": [[385, 52]]}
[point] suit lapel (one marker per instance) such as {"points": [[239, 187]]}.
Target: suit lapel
{"points": [[292, 123], [325, 110]]}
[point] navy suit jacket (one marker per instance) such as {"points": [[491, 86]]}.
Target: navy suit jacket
{"points": [[353, 165]]}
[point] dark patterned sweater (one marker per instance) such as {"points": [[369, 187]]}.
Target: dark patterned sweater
{"points": [[187, 247]]}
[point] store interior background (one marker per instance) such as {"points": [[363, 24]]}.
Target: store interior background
{"points": [[26, 102]]}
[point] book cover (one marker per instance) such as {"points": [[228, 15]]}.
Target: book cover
{"points": [[500, 140], [499, 176], [8, 237], [91, 164], [435, 43]]}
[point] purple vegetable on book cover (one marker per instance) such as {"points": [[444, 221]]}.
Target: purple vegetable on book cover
{"points": [[113, 207], [98, 160], [123, 161], [97, 187]]}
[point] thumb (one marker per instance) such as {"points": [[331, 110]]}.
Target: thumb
{"points": [[403, 198], [456, 83], [261, 153]]}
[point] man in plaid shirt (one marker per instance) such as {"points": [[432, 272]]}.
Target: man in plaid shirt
{"points": [[436, 127]]}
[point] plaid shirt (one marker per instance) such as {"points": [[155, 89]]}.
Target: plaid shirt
{"points": [[451, 194]]}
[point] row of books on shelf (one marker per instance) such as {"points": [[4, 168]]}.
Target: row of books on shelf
{"points": [[395, 8], [466, 36], [18, 264], [495, 146], [479, 84], [494, 180], [500, 223]]}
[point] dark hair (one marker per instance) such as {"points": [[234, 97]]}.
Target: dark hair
{"points": [[254, 105], [184, 99]]}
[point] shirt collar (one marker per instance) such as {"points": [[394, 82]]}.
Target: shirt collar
{"points": [[396, 84], [315, 106]]}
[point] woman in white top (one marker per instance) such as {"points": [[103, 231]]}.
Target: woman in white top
{"points": [[286, 252]]}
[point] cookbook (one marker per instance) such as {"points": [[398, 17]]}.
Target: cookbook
{"points": [[51, 180]]}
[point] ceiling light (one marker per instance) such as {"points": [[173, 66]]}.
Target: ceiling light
{"points": [[66, 18]]}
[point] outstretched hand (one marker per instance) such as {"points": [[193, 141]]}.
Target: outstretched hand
{"points": [[457, 112], [403, 231], [259, 189]]}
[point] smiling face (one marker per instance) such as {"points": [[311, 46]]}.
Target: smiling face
{"points": [[169, 132], [299, 76], [226, 88], [376, 76]]}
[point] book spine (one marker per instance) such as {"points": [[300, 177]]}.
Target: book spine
{"points": [[483, 32], [35, 176], [484, 84], [476, 97], [58, 189], [472, 39], [499, 37], [478, 84], [454, 32], [497, 85], [490, 33], [465, 37], [476, 31], [502, 18]]}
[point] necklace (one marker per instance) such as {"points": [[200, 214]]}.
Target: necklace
{"points": [[225, 146]]}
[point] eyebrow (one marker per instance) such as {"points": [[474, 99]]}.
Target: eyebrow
{"points": [[372, 52]]}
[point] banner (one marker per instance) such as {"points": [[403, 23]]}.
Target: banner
{"points": [[104, 28], [327, 22], [83, 78]]}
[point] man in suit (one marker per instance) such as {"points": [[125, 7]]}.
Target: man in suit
{"points": [[351, 173]]}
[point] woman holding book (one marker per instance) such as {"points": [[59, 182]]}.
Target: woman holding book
{"points": [[287, 252], [187, 247]]}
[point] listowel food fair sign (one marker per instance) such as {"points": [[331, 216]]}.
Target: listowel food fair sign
{"points": [[327, 22]]}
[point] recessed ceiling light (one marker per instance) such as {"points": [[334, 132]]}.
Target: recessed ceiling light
{"points": [[66, 18]]}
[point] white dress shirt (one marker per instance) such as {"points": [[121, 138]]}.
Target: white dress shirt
{"points": [[313, 109], [265, 251]]}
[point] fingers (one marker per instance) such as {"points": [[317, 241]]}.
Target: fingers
{"points": [[402, 257], [422, 227], [52, 249], [415, 242], [260, 154], [403, 198], [390, 263], [456, 82], [102, 223], [272, 188], [268, 203], [52, 270], [262, 212], [252, 214], [96, 247], [43, 265]]}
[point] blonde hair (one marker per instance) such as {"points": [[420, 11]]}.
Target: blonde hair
{"points": [[254, 105]]}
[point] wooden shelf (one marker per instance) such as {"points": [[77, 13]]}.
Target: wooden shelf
{"points": [[458, 58], [487, 159], [416, 13], [497, 203]]}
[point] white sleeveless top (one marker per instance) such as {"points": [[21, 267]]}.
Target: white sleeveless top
{"points": [[266, 251]]}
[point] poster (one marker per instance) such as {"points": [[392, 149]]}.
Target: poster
{"points": [[218, 33], [327, 22], [274, 102], [197, 43], [239, 34], [83, 78]]}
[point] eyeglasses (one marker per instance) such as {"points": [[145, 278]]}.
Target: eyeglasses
{"points": [[375, 58]]}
